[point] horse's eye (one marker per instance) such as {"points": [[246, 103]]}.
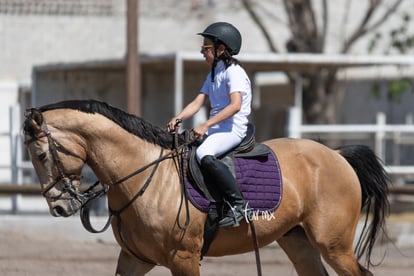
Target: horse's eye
{"points": [[42, 156]]}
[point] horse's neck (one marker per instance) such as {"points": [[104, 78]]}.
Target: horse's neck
{"points": [[113, 155]]}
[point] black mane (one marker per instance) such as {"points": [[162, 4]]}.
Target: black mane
{"points": [[130, 123]]}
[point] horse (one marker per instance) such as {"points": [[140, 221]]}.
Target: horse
{"points": [[325, 191]]}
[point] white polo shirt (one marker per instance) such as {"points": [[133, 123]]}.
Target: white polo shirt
{"points": [[227, 81]]}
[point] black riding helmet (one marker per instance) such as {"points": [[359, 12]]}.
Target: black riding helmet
{"points": [[225, 33]]}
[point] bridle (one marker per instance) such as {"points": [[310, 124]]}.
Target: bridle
{"points": [[65, 178], [85, 198]]}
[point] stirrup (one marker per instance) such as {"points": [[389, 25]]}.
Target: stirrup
{"points": [[233, 216]]}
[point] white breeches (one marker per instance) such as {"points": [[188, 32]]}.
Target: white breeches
{"points": [[217, 144]]}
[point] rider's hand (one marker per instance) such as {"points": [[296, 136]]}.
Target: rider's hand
{"points": [[200, 131], [173, 124]]}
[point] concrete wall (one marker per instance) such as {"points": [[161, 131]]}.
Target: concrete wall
{"points": [[39, 32], [108, 86]]}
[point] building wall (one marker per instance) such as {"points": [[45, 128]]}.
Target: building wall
{"points": [[55, 86], [108, 85], [28, 41]]}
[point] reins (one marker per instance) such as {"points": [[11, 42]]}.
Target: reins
{"points": [[117, 214], [256, 248], [181, 164], [85, 215], [86, 206]]}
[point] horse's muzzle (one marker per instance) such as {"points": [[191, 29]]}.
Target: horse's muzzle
{"points": [[65, 208]]}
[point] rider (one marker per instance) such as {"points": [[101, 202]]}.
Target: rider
{"points": [[228, 89]]}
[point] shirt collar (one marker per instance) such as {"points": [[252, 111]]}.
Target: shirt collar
{"points": [[220, 65]]}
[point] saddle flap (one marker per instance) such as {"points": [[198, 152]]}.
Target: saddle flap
{"points": [[199, 180]]}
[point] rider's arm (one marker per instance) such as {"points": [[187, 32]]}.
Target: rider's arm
{"points": [[232, 108], [192, 108]]}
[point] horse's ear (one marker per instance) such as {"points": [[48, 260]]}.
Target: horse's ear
{"points": [[33, 122], [34, 115]]}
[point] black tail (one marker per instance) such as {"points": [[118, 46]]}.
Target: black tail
{"points": [[374, 182]]}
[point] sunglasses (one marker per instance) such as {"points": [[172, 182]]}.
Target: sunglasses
{"points": [[206, 47]]}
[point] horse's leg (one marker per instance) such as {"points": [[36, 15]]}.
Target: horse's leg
{"points": [[302, 254], [129, 265], [335, 242]]}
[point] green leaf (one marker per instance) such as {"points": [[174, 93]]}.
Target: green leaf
{"points": [[397, 87], [375, 90]]}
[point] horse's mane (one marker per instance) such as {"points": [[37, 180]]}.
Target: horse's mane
{"points": [[130, 123]]}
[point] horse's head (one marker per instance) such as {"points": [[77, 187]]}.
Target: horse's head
{"points": [[58, 162]]}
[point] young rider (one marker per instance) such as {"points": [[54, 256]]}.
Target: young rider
{"points": [[228, 89]]}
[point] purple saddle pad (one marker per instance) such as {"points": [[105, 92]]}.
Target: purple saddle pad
{"points": [[260, 182]]}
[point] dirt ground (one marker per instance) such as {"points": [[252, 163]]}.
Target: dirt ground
{"points": [[34, 252]]}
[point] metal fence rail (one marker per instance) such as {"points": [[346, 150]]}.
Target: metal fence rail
{"points": [[27, 189], [380, 132]]}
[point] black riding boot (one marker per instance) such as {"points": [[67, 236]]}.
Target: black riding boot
{"points": [[228, 186]]}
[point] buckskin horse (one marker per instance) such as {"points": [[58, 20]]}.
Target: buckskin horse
{"points": [[324, 193]]}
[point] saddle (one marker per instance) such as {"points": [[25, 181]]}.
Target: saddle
{"points": [[207, 198], [246, 149]]}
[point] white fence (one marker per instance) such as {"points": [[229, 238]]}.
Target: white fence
{"points": [[381, 132], [16, 165]]}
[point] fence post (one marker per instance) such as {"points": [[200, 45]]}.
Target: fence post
{"points": [[294, 123], [380, 135], [16, 173]]}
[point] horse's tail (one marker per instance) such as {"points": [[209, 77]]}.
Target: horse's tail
{"points": [[374, 182]]}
